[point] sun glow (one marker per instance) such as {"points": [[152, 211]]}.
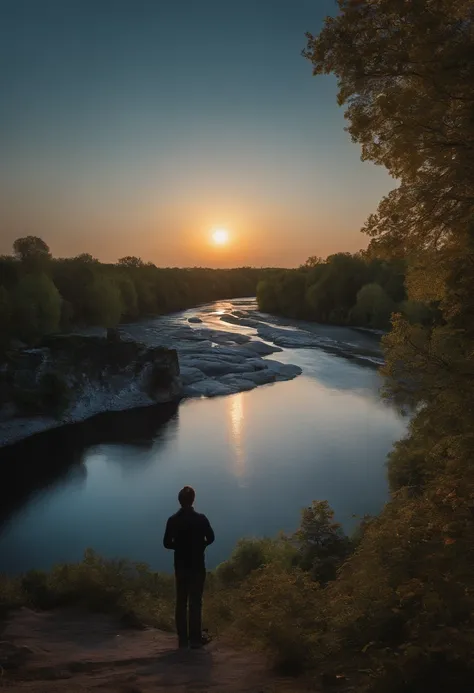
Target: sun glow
{"points": [[220, 236]]}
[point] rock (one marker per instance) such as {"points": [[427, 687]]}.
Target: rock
{"points": [[190, 375], [262, 377], [283, 371], [69, 378], [234, 319], [209, 388], [194, 319], [238, 384], [263, 349]]}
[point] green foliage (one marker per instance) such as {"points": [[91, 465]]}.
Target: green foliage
{"points": [[417, 313], [131, 261], [403, 601], [280, 612], [127, 589], [344, 289], [252, 554], [36, 307], [266, 296], [322, 544], [32, 252], [103, 302], [129, 297], [373, 307]]}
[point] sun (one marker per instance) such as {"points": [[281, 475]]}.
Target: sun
{"points": [[220, 236]]}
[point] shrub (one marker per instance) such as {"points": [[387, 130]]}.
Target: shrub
{"points": [[281, 612], [322, 544]]}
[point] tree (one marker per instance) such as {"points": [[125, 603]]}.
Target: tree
{"points": [[103, 302], [313, 261], [36, 307], [266, 297], [406, 74], [405, 70], [373, 307], [86, 258], [131, 261], [129, 296], [32, 251], [290, 291], [321, 542]]}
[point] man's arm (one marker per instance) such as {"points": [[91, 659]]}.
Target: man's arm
{"points": [[208, 532], [168, 539]]}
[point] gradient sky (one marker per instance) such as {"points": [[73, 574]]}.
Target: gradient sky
{"points": [[134, 127]]}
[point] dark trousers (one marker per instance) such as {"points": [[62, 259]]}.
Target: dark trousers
{"points": [[189, 589]]}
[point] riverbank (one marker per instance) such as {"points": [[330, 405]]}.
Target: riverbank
{"points": [[70, 378]]}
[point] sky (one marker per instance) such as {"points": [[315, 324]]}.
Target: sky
{"points": [[137, 127]]}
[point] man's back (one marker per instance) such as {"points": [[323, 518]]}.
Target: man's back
{"points": [[188, 533]]}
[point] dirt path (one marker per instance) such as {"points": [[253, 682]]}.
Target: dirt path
{"points": [[72, 653]]}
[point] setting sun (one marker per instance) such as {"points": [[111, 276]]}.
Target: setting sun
{"points": [[220, 236]]}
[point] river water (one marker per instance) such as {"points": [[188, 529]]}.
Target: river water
{"points": [[254, 457]]}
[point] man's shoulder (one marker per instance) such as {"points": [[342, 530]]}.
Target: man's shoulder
{"points": [[196, 517]]}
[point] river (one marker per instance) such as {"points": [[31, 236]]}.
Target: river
{"points": [[254, 457]]}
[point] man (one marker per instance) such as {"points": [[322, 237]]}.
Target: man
{"points": [[188, 533]]}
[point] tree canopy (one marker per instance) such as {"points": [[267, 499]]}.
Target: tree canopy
{"points": [[405, 71]]}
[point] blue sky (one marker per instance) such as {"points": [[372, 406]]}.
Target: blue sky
{"points": [[138, 126]]}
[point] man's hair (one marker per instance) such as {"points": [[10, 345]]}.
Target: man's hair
{"points": [[186, 496]]}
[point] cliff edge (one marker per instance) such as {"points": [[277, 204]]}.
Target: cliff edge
{"points": [[69, 378]]}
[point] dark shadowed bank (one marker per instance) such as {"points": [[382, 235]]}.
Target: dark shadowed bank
{"points": [[70, 378]]}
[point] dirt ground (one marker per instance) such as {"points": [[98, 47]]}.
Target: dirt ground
{"points": [[67, 652]]}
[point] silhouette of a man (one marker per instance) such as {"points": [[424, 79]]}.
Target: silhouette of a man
{"points": [[188, 533]]}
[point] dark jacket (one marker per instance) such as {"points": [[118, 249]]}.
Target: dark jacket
{"points": [[188, 533]]}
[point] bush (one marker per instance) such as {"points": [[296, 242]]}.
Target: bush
{"points": [[281, 612], [252, 554], [112, 586]]}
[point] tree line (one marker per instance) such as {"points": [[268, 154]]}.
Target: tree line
{"points": [[345, 289], [40, 294]]}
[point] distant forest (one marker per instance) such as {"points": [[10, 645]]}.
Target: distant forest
{"points": [[344, 289], [40, 294]]}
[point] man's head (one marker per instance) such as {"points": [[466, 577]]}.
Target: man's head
{"points": [[186, 497]]}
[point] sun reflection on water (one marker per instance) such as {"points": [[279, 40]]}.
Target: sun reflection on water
{"points": [[236, 412]]}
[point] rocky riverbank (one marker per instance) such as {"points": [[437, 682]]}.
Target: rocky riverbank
{"points": [[70, 378]]}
